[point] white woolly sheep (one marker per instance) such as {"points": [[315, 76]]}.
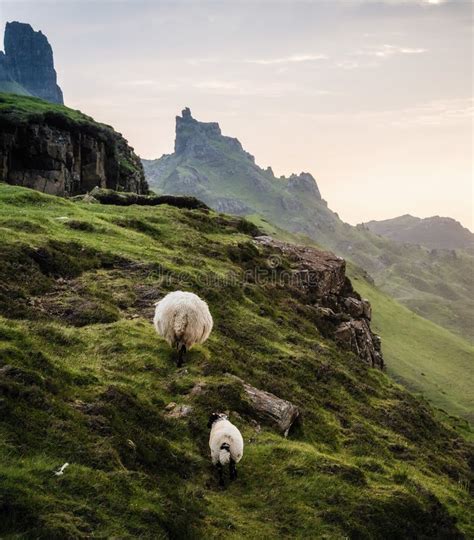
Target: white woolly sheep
{"points": [[183, 319], [226, 444]]}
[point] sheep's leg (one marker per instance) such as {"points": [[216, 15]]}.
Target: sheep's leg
{"points": [[232, 469], [220, 472], [181, 353]]}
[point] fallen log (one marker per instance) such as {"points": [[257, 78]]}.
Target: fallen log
{"points": [[270, 408]]}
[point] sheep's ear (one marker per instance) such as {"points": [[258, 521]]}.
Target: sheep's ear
{"points": [[212, 419]]}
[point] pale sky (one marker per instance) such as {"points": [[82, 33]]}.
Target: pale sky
{"points": [[373, 97]]}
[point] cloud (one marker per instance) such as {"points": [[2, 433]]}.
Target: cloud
{"points": [[295, 58], [385, 51], [348, 64], [248, 88], [216, 85], [141, 82], [206, 60], [434, 113], [439, 112]]}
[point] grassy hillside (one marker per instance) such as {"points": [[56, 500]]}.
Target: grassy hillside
{"points": [[86, 381], [424, 357], [12, 87], [436, 284], [16, 109]]}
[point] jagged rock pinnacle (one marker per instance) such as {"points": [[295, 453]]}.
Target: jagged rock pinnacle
{"points": [[186, 113], [28, 60], [193, 136]]}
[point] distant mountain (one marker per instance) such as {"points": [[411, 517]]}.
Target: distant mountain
{"points": [[219, 171], [216, 169], [27, 65], [433, 232]]}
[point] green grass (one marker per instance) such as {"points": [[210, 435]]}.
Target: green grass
{"points": [[20, 108], [12, 87], [84, 379], [424, 357]]}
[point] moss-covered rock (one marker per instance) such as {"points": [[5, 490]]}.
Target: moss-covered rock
{"points": [[57, 150]]}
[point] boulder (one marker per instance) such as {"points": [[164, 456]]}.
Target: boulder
{"points": [[318, 273], [356, 336], [342, 314], [178, 411]]}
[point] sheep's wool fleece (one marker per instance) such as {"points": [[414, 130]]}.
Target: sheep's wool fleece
{"points": [[182, 318], [222, 432]]}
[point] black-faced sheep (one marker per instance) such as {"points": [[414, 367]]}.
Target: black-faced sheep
{"points": [[226, 444], [183, 319]]}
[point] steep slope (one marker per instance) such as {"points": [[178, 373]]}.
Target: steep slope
{"points": [[86, 381], [12, 87], [433, 232], [435, 284], [7, 84], [61, 151], [28, 61], [424, 357], [421, 355]]}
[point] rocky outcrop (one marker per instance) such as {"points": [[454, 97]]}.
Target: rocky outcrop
{"points": [[193, 137], [341, 313], [28, 61], [230, 206], [304, 184], [59, 155], [108, 196]]}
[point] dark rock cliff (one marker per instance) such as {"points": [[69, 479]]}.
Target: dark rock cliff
{"points": [[28, 60], [62, 152], [341, 313]]}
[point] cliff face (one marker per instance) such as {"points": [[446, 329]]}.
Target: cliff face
{"points": [[61, 152], [28, 61], [340, 312]]}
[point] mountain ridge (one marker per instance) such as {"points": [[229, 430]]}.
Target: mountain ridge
{"points": [[434, 232], [216, 169]]}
